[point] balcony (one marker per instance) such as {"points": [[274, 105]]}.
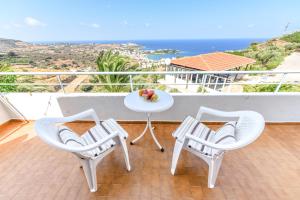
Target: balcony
{"points": [[266, 169]]}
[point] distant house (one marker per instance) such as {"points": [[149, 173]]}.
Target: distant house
{"points": [[218, 61]]}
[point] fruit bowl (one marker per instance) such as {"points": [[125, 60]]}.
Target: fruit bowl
{"points": [[148, 95]]}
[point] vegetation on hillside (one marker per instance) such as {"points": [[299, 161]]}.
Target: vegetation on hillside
{"points": [[293, 38], [267, 56], [271, 88], [270, 54], [7, 79]]}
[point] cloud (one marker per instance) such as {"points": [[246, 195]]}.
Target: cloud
{"points": [[147, 25], [219, 26], [32, 22], [95, 25], [251, 25], [125, 22], [92, 25]]}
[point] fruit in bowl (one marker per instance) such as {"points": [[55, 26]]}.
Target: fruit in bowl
{"points": [[148, 95]]}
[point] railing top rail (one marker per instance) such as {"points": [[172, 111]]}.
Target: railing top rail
{"points": [[148, 73]]}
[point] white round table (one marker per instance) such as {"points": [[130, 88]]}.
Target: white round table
{"points": [[138, 104]]}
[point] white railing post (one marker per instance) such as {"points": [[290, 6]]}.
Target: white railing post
{"points": [[224, 83], [131, 83], [167, 69], [280, 83], [187, 81], [175, 75], [203, 82], [209, 81], [216, 83], [197, 76], [60, 84]]}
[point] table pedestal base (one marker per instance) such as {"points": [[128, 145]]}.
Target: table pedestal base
{"points": [[152, 134]]}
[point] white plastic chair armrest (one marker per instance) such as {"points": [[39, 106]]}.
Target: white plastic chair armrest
{"points": [[82, 115], [219, 113], [213, 145]]}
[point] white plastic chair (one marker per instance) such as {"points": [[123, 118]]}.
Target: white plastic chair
{"points": [[47, 130], [249, 127]]}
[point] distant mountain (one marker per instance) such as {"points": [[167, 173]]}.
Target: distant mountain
{"points": [[8, 44]]}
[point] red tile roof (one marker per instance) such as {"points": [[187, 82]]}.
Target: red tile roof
{"points": [[218, 61]]}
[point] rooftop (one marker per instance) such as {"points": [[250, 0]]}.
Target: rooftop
{"points": [[268, 168], [218, 61]]}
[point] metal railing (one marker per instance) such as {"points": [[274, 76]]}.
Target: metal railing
{"points": [[213, 81]]}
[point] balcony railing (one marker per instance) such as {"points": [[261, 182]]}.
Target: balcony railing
{"points": [[218, 82]]}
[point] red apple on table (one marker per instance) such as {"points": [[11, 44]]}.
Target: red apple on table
{"points": [[145, 94], [150, 93]]}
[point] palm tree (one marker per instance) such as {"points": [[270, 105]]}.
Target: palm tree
{"points": [[109, 61]]}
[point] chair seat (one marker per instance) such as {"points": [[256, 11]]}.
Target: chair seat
{"points": [[101, 131], [225, 134], [93, 135]]}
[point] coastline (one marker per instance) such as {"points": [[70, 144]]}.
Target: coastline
{"points": [[168, 48]]}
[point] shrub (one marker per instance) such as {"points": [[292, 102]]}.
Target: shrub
{"points": [[174, 90], [294, 37], [271, 88], [86, 88], [201, 89]]}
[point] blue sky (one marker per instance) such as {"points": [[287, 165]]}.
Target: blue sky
{"points": [[56, 20]]}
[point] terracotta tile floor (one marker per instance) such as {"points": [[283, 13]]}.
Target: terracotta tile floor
{"points": [[267, 169]]}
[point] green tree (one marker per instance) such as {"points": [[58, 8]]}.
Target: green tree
{"points": [[4, 79], [109, 61], [11, 54]]}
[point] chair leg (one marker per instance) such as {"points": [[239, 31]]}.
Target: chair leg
{"points": [[89, 168], [214, 168], [176, 153], [125, 151]]}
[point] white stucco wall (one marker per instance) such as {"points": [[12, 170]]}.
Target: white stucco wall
{"points": [[279, 108], [5, 114], [36, 105], [275, 108]]}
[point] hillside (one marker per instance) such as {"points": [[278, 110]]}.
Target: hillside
{"points": [[270, 54], [293, 37], [7, 44]]}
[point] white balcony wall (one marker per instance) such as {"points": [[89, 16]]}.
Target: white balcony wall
{"points": [[275, 108], [36, 105], [5, 114]]}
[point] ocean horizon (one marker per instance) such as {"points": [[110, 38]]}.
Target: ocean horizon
{"points": [[186, 47]]}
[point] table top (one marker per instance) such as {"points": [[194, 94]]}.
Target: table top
{"points": [[138, 104]]}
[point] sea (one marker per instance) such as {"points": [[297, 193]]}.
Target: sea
{"points": [[186, 47]]}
